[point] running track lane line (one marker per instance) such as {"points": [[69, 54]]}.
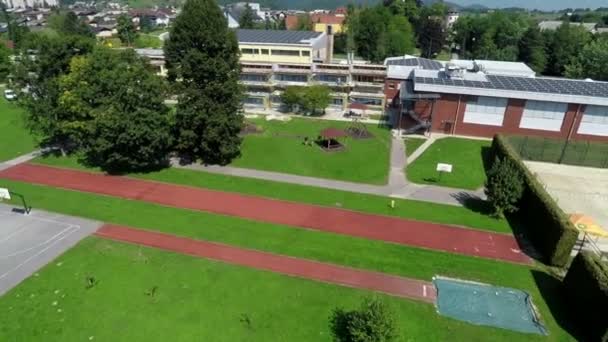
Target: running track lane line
{"points": [[369, 226], [295, 267]]}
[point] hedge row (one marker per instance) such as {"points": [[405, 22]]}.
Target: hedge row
{"points": [[546, 224], [586, 285]]}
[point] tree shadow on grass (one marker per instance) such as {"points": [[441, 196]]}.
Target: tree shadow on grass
{"points": [[473, 203], [553, 293]]}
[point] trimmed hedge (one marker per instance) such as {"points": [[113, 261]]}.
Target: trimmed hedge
{"points": [[546, 224], [586, 285]]}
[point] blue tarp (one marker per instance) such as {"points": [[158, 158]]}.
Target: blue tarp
{"points": [[484, 304]]}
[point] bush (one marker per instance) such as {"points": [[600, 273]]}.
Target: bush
{"points": [[586, 285], [373, 322], [546, 224], [504, 186]]}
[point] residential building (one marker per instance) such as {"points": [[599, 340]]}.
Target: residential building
{"points": [[233, 13], [319, 22], [30, 3], [451, 18], [485, 100]]}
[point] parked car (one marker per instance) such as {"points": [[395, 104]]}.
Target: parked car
{"points": [[10, 95]]}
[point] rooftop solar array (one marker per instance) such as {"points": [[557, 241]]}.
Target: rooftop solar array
{"points": [[275, 36], [527, 84], [427, 64]]}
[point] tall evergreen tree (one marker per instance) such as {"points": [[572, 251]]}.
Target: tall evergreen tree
{"points": [[204, 56], [532, 50], [246, 21]]}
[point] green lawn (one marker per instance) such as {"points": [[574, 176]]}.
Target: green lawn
{"points": [[280, 148], [464, 154], [196, 300], [418, 210], [15, 139], [412, 144]]}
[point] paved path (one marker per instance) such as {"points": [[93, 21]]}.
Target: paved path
{"points": [[384, 228], [396, 176], [21, 159], [28, 242], [301, 268]]}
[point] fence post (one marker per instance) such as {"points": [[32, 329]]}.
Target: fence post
{"points": [[561, 157]]}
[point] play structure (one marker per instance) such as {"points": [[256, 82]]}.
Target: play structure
{"points": [[328, 139], [484, 304], [358, 130], [250, 128]]}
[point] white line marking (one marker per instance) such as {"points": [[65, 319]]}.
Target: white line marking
{"points": [[49, 240], [423, 290], [14, 233], [36, 255]]}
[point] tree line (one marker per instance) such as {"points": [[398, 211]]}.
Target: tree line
{"points": [[570, 50], [109, 106]]}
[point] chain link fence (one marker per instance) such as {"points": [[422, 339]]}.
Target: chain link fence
{"points": [[580, 153]]}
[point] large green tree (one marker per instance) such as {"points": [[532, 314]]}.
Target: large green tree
{"points": [[532, 50], [127, 33], [203, 55], [399, 37], [246, 21], [374, 321], [5, 61], [566, 43], [118, 120], [35, 77], [69, 23], [591, 62]]}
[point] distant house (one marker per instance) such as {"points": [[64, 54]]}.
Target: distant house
{"points": [[234, 12], [103, 32], [552, 25], [451, 18], [320, 22]]}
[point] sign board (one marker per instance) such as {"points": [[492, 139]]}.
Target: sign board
{"points": [[5, 194], [441, 167]]}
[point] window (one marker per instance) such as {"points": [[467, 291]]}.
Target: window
{"points": [[594, 121], [332, 78], [485, 111], [247, 51], [255, 78], [337, 102], [305, 53], [391, 86], [285, 52], [255, 101], [367, 101], [265, 52], [291, 78], [543, 115]]}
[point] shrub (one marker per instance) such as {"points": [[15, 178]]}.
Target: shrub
{"points": [[586, 285], [546, 224], [373, 322], [504, 186]]}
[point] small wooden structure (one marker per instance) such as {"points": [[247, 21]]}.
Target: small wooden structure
{"points": [[328, 139]]}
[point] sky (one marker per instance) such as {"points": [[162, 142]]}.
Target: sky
{"points": [[539, 4]]}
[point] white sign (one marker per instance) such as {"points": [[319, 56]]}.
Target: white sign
{"points": [[441, 167], [5, 194]]}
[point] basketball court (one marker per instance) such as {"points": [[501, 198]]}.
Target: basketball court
{"points": [[30, 241]]}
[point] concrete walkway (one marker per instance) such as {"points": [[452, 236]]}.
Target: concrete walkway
{"points": [[22, 159]]}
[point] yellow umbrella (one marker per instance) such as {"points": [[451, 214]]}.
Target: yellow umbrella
{"points": [[588, 225]]}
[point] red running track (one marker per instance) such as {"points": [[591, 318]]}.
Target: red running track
{"points": [[375, 227], [301, 268]]}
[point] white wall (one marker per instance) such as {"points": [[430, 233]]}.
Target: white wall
{"points": [[543, 115], [594, 121], [486, 111]]}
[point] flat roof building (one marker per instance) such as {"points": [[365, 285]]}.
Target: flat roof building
{"points": [[281, 46]]}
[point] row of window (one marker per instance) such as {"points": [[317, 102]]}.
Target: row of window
{"points": [[336, 101], [297, 53], [540, 115]]}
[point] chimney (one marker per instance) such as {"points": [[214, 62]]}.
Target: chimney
{"points": [[329, 49]]}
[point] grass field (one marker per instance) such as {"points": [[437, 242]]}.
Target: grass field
{"points": [[412, 144], [280, 148], [195, 299], [417, 210], [464, 154], [15, 138]]}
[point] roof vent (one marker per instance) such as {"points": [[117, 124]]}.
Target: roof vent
{"points": [[453, 71]]}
